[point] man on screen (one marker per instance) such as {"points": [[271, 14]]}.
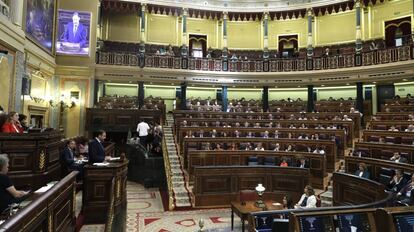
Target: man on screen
{"points": [[75, 32]]}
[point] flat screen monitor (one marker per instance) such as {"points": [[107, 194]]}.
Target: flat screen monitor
{"points": [[355, 222], [404, 222], [280, 225], [316, 224]]}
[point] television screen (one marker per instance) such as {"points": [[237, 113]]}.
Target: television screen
{"points": [[39, 22], [353, 222], [280, 225], [404, 222], [73, 33], [316, 224]]}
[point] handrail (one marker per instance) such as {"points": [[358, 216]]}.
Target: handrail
{"points": [[168, 174]]}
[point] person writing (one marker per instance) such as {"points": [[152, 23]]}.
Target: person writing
{"points": [[96, 150], [308, 199], [8, 193], [12, 124]]}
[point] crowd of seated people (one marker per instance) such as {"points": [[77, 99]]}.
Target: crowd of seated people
{"points": [[208, 104], [13, 122], [126, 102]]}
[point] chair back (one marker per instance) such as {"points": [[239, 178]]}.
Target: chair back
{"points": [[248, 195]]}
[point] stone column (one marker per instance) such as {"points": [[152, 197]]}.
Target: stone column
{"points": [[143, 18], [310, 36], [224, 45], [95, 91], [99, 17], [265, 35], [358, 41], [16, 8]]}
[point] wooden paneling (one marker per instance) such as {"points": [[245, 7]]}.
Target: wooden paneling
{"points": [[51, 211], [217, 186], [97, 190], [34, 157], [317, 163], [349, 189], [329, 146], [385, 150]]}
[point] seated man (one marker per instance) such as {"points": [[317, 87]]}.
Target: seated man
{"points": [[406, 194], [398, 158], [397, 182], [69, 160]]}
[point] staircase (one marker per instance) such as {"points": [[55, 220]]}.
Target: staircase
{"points": [[181, 194], [326, 197]]}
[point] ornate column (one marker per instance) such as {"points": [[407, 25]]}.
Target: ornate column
{"points": [[141, 52], [265, 35], [225, 18], [184, 22], [16, 7], [99, 17], [310, 36], [358, 41]]}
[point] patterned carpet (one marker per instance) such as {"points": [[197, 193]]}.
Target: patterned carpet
{"points": [[145, 213]]}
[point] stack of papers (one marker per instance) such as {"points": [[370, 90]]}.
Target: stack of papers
{"points": [[44, 189], [101, 164]]}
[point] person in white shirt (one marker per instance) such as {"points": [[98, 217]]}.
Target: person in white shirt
{"points": [[142, 130], [308, 199], [259, 147]]}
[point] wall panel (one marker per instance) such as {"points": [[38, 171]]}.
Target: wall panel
{"points": [[162, 29], [122, 27], [244, 35], [287, 27], [333, 28], [203, 27]]}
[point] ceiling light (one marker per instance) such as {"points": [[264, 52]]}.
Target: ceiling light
{"points": [[404, 79], [347, 84], [374, 82], [322, 85]]}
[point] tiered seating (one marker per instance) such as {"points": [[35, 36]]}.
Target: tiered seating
{"points": [[116, 102]]}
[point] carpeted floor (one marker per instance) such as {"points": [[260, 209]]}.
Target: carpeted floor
{"points": [[145, 213]]}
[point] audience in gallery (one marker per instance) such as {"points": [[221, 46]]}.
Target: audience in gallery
{"points": [[8, 193], [308, 198], [362, 171]]}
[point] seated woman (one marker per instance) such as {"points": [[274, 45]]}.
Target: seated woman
{"points": [[362, 171], [284, 163], [8, 193], [12, 124], [308, 199]]}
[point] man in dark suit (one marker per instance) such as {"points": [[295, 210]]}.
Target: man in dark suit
{"points": [[96, 149], [406, 194], [302, 163], [68, 158], [75, 32]]}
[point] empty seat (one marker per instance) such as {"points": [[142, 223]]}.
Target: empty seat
{"points": [[253, 160], [269, 161]]}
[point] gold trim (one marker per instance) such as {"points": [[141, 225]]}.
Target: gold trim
{"points": [[42, 160], [397, 25], [200, 39], [287, 40]]}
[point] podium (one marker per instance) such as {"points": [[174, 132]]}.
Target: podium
{"points": [[97, 190]]}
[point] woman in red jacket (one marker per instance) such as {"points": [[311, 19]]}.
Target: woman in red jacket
{"points": [[12, 125]]}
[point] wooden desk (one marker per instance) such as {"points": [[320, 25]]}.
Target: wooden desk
{"points": [[218, 186], [52, 211], [243, 211], [34, 157], [316, 162], [97, 190]]}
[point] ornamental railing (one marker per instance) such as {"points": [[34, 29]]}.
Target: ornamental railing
{"points": [[389, 55]]}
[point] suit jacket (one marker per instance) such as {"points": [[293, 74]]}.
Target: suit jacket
{"points": [[9, 128], [403, 160], [67, 157], [365, 174], [306, 164], [96, 152], [79, 37]]}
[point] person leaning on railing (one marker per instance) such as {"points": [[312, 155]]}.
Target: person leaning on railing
{"points": [[8, 193]]}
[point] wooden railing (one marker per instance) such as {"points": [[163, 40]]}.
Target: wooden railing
{"points": [[384, 56], [168, 174]]}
